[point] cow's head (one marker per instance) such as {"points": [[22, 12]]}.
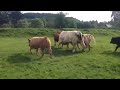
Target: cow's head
{"points": [[79, 35], [29, 41], [81, 40]]}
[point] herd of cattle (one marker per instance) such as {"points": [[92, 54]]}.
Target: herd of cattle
{"points": [[65, 38]]}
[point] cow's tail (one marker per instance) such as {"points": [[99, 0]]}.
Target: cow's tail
{"points": [[93, 39]]}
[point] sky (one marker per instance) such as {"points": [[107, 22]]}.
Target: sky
{"points": [[100, 16]]}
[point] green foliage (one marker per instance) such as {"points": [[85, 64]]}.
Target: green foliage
{"points": [[46, 20], [25, 32], [94, 24], [10, 17], [116, 16], [6, 26], [4, 17], [60, 20], [115, 19], [39, 15], [23, 23], [36, 23], [102, 24], [14, 16], [50, 23], [71, 22]]}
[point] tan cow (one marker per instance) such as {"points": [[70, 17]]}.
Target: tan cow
{"points": [[41, 43], [87, 39]]}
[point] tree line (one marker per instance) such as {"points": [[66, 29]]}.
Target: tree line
{"points": [[16, 19]]}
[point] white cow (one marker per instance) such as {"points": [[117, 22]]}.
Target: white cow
{"points": [[72, 37]]}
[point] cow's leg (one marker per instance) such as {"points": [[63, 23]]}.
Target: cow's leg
{"points": [[30, 50], [62, 45], [78, 46], [68, 45], [116, 48], [59, 44], [37, 51], [54, 43], [83, 45], [73, 47], [42, 52], [83, 49]]}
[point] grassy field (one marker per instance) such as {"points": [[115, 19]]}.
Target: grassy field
{"points": [[16, 62]]}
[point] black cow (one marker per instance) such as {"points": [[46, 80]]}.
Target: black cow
{"points": [[115, 40]]}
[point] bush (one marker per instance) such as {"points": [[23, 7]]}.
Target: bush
{"points": [[6, 26]]}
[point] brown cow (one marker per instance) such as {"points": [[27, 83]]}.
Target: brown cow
{"points": [[56, 37], [41, 43]]}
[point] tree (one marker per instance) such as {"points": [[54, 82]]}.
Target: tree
{"points": [[60, 20], [4, 17], [71, 22], [23, 23], [44, 21], [102, 24], [115, 16], [115, 19], [36, 23], [50, 22], [94, 24], [14, 16]]}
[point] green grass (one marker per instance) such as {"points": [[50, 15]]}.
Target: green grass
{"points": [[17, 62]]}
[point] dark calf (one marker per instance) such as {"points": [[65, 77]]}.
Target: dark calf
{"points": [[115, 40], [56, 37]]}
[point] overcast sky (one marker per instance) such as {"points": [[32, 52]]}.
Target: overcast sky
{"points": [[100, 16]]}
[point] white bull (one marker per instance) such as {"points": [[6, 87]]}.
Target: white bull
{"points": [[72, 37]]}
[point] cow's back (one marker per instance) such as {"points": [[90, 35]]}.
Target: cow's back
{"points": [[67, 36], [115, 40], [40, 42], [35, 42]]}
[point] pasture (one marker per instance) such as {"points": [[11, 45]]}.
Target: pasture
{"points": [[16, 62]]}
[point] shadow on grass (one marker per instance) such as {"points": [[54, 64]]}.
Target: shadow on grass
{"points": [[18, 58], [109, 52], [64, 51]]}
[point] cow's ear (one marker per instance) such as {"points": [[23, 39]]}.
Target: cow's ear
{"points": [[28, 39], [82, 35]]}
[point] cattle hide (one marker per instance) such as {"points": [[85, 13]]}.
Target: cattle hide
{"points": [[115, 40]]}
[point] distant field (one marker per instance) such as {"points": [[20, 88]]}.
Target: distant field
{"points": [[17, 62]]}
